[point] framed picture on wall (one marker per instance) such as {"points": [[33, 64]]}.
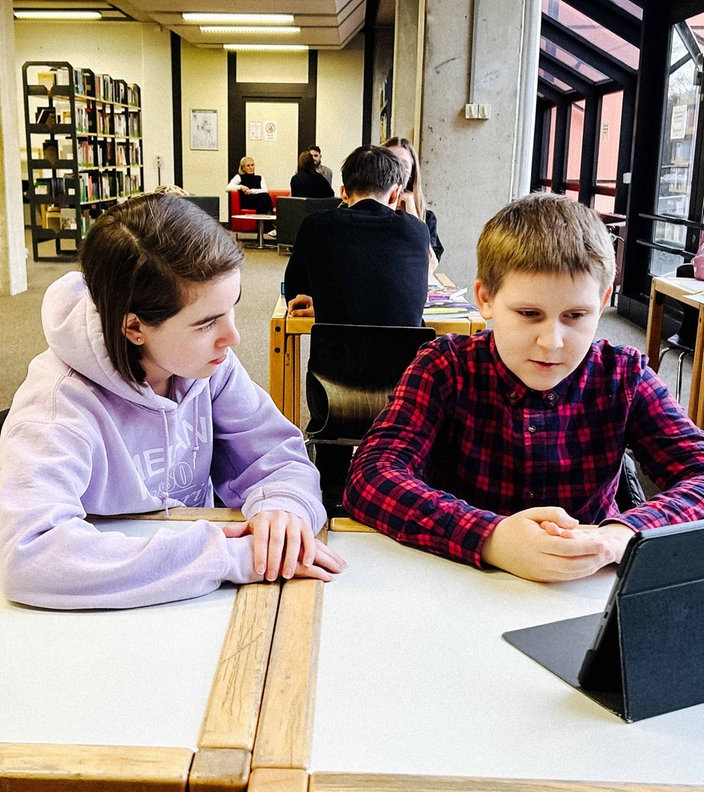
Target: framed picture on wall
{"points": [[204, 130]]}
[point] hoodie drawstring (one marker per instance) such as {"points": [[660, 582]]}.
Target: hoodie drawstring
{"points": [[168, 461]]}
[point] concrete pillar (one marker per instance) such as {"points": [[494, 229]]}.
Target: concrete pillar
{"points": [[471, 168], [408, 42], [13, 265]]}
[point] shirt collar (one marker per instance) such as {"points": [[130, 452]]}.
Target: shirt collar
{"points": [[515, 391]]}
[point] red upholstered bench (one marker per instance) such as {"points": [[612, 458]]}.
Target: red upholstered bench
{"points": [[248, 226]]}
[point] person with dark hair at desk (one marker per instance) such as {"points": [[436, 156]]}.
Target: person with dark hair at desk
{"points": [[364, 263], [307, 182]]}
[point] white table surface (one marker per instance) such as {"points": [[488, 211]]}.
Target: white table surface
{"points": [[415, 678], [125, 677]]}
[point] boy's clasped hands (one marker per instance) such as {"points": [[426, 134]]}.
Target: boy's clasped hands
{"points": [[548, 545], [284, 546]]}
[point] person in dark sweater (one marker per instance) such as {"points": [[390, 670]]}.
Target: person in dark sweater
{"points": [[364, 263], [307, 182], [253, 191]]}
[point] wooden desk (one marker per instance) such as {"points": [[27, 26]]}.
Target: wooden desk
{"points": [[679, 289], [165, 697], [417, 690], [285, 352]]}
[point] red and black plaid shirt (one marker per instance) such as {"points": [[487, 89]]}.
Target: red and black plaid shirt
{"points": [[463, 443]]}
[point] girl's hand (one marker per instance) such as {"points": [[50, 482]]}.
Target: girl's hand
{"points": [[325, 564], [283, 542]]}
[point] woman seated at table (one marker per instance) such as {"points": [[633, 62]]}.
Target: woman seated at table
{"points": [[307, 182], [254, 193], [412, 199]]}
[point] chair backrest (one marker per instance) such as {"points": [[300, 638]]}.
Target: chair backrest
{"points": [[290, 212], [352, 370], [210, 204]]}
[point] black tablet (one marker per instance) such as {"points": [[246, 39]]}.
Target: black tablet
{"points": [[642, 655]]}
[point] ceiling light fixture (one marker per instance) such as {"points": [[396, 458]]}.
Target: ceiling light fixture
{"points": [[267, 47], [247, 29], [58, 15], [241, 19]]}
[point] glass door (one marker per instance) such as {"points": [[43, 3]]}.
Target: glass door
{"points": [[678, 203]]}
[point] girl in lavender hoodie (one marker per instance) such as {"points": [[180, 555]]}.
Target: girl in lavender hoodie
{"points": [[139, 404]]}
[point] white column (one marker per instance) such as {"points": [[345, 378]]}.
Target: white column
{"points": [[469, 166], [13, 265]]}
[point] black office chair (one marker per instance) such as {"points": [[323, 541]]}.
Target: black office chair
{"points": [[683, 340], [3, 415], [210, 204], [630, 490], [352, 370]]}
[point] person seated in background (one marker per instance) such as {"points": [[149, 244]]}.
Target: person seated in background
{"points": [[171, 189], [366, 262], [139, 405], [307, 182], [504, 449], [323, 170], [412, 199], [254, 194]]}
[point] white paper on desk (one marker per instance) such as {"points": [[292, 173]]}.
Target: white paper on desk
{"points": [[696, 297]]}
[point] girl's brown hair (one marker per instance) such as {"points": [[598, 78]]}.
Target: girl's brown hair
{"points": [[141, 257], [413, 184]]}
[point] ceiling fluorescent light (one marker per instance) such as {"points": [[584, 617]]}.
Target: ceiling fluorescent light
{"points": [[241, 19], [58, 15], [267, 47], [247, 29]]}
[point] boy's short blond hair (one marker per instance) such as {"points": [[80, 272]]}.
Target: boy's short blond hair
{"points": [[544, 233]]}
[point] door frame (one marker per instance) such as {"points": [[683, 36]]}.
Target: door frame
{"points": [[239, 93]]}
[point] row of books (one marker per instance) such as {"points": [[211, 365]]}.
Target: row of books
{"points": [[106, 152], [87, 83], [106, 185]]}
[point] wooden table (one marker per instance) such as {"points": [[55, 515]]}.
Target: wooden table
{"points": [[413, 688], [679, 289], [285, 351], [130, 699], [261, 219]]}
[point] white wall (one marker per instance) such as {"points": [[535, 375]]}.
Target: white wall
{"points": [[340, 94], [204, 87]]}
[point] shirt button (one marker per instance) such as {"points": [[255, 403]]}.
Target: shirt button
{"points": [[530, 495], [551, 397], [531, 428], [513, 395]]}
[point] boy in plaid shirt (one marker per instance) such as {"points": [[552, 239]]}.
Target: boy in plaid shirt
{"points": [[504, 448]]}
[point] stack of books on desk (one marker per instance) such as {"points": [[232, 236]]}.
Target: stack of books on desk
{"points": [[447, 301]]}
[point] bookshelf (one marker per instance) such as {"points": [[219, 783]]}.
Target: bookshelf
{"points": [[84, 151]]}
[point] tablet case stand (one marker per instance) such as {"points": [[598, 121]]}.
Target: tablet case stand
{"points": [[651, 659]]}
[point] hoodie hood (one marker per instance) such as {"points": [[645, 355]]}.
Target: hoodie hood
{"points": [[74, 333]]}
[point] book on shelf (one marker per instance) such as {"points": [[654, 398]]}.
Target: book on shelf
{"points": [[67, 219], [45, 115], [47, 80], [50, 151]]}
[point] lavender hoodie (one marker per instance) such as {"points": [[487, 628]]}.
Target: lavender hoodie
{"points": [[79, 440]]}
